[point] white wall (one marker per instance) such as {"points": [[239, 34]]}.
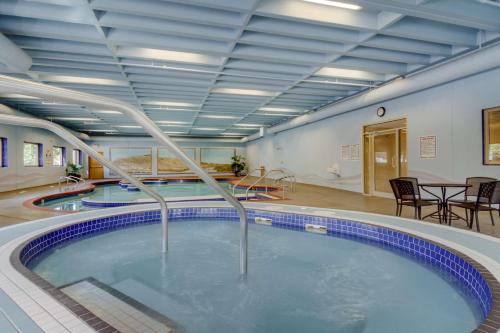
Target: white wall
{"points": [[452, 112], [16, 175]]}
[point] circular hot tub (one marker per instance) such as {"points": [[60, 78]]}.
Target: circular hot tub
{"points": [[341, 276]]}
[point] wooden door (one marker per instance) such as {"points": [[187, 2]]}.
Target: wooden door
{"points": [[96, 170]]}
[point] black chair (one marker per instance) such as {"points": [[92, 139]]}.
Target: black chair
{"points": [[471, 193], [488, 194], [407, 193]]}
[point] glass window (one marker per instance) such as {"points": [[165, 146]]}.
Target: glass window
{"points": [[58, 158], [491, 136], [32, 154], [3, 153], [77, 156]]}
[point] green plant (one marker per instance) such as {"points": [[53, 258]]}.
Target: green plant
{"points": [[73, 169], [239, 164]]}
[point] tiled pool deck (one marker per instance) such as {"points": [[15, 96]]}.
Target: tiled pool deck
{"points": [[392, 232]]}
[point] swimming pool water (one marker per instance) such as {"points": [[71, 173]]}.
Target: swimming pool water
{"points": [[114, 193], [297, 281]]}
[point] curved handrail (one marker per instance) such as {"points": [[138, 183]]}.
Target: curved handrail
{"points": [[260, 178], [67, 179], [242, 179], [20, 86], [73, 140]]}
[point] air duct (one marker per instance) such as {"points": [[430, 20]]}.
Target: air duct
{"points": [[14, 57], [479, 61]]}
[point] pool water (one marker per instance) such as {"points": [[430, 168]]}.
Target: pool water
{"points": [[114, 193], [297, 281]]}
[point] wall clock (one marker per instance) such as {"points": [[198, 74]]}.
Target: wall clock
{"points": [[381, 111]]}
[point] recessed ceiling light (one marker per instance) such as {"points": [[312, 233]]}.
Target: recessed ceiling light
{"points": [[274, 109], [107, 112], [73, 119], [336, 4], [127, 126], [207, 129], [83, 80], [173, 132], [213, 116], [249, 125], [18, 96], [276, 114], [166, 55], [171, 122], [250, 92], [169, 103]]}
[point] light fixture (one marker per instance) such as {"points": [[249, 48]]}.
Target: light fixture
{"points": [[107, 112], [167, 55], [249, 92], [83, 80], [171, 122], [173, 132], [336, 4], [127, 126], [248, 125], [213, 116], [73, 119], [18, 96], [276, 109], [275, 114], [169, 103], [207, 129]]}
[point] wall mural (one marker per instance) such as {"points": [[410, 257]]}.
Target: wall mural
{"points": [[133, 160], [216, 159], [168, 162]]}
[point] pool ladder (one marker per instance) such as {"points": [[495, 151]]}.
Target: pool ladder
{"points": [[75, 181], [285, 180]]}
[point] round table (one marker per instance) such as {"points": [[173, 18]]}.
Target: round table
{"points": [[444, 198]]}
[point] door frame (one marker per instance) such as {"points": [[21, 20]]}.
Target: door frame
{"points": [[370, 191]]}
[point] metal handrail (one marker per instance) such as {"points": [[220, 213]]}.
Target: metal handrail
{"points": [[73, 140], [263, 177], [20, 86], [242, 179], [67, 179]]}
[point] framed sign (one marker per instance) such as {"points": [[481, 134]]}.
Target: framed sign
{"points": [[491, 136], [428, 148]]}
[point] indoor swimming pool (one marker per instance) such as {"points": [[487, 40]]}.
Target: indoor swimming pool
{"points": [[109, 195]]}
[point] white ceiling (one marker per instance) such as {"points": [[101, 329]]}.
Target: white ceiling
{"points": [[227, 67]]}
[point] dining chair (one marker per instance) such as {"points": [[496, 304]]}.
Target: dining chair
{"points": [[407, 193], [471, 192], [488, 194]]}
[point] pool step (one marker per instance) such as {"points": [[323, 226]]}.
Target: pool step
{"points": [[117, 309]]}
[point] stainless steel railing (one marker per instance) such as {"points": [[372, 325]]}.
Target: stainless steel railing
{"points": [[66, 179], [30, 88], [73, 140], [242, 179], [286, 174]]}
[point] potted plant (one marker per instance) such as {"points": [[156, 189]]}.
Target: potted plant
{"points": [[239, 164], [74, 170]]}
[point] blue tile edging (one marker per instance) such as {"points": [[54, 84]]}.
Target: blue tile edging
{"points": [[476, 279]]}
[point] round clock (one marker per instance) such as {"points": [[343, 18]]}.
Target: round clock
{"points": [[381, 111]]}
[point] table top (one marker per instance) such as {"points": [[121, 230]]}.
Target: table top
{"points": [[444, 185]]}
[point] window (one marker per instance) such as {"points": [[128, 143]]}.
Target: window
{"points": [[491, 136], [77, 157], [32, 154], [58, 156], [3, 153]]}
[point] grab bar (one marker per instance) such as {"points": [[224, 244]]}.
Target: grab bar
{"points": [[73, 140], [263, 177], [241, 180], [36, 89], [67, 179]]}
